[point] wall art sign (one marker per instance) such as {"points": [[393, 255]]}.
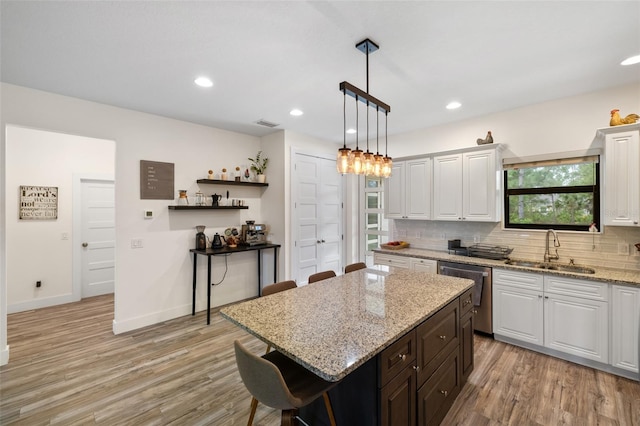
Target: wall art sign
{"points": [[38, 202], [156, 180]]}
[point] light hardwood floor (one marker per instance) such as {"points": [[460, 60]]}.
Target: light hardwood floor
{"points": [[68, 368]]}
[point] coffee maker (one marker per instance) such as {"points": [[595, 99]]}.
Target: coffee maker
{"points": [[254, 234]]}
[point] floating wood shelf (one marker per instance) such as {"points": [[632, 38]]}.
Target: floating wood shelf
{"points": [[230, 182], [208, 207]]}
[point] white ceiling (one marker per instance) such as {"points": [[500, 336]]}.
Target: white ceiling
{"points": [[267, 57]]}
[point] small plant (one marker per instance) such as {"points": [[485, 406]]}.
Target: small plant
{"points": [[259, 164]]}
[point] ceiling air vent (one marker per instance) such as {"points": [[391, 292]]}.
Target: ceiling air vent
{"points": [[266, 123]]}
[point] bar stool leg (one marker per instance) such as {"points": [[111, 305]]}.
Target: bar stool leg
{"points": [[327, 403], [254, 406]]}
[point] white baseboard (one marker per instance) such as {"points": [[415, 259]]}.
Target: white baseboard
{"points": [[145, 320], [44, 302], [4, 356]]}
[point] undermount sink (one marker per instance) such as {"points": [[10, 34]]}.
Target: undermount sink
{"points": [[551, 266], [571, 268], [526, 263]]}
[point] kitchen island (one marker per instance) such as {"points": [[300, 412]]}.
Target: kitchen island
{"points": [[371, 330]]}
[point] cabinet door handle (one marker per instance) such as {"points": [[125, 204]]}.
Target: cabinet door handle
{"points": [[442, 337], [444, 392], [417, 368], [402, 356], [539, 296], [466, 302], [546, 297]]}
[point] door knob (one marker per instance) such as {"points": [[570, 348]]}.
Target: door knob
{"points": [[318, 241], [85, 244]]}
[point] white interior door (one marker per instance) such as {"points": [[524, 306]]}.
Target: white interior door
{"points": [[318, 216], [98, 237]]}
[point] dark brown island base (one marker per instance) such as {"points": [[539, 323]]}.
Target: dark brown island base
{"points": [[400, 343]]}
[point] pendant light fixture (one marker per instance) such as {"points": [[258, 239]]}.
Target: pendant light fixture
{"points": [[357, 162]]}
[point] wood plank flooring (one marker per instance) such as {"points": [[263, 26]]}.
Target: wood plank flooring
{"points": [[66, 367]]}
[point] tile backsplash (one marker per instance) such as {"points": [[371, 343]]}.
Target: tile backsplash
{"points": [[613, 248]]}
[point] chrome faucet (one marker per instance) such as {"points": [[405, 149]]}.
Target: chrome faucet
{"points": [[556, 243]]}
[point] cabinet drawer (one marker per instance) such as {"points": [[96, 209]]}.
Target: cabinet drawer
{"points": [[424, 265], [525, 280], [390, 260], [396, 357], [577, 288], [437, 395], [466, 302], [436, 337]]}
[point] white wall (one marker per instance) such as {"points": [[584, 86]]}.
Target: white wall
{"points": [[152, 283], [561, 125], [38, 251]]}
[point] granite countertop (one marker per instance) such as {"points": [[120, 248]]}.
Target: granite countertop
{"points": [[620, 276], [333, 326]]}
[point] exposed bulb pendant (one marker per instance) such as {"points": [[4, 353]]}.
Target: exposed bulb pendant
{"points": [[342, 160], [368, 156], [377, 159], [387, 163], [355, 161]]}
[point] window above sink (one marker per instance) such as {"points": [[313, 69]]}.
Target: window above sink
{"points": [[563, 194]]}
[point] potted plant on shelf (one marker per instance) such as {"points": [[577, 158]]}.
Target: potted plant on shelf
{"points": [[259, 166]]}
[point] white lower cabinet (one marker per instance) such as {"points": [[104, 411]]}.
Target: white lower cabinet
{"points": [[518, 313], [413, 263], [423, 265], [391, 260], [518, 309], [577, 326], [564, 314], [625, 324]]}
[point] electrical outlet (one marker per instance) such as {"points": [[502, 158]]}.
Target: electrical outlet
{"points": [[65, 236], [623, 248], [476, 239], [136, 243]]}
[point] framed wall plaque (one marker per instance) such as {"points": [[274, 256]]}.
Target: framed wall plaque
{"points": [[156, 180], [38, 202]]}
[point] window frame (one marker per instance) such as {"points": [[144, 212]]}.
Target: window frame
{"points": [[581, 189], [381, 234]]}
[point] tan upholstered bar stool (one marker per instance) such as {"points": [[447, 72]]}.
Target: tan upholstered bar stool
{"points": [[277, 288], [354, 267], [279, 382], [319, 276]]}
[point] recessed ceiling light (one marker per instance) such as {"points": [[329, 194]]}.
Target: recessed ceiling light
{"points": [[203, 82], [351, 131], [296, 112], [631, 60], [454, 105]]}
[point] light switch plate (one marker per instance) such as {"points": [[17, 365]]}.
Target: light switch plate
{"points": [[148, 214]]}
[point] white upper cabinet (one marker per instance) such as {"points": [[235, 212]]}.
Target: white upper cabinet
{"points": [[465, 186], [621, 187], [408, 190]]}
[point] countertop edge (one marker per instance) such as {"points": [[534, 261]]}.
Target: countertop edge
{"points": [[613, 276]]}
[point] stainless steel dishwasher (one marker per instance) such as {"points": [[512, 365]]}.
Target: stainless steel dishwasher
{"points": [[482, 294]]}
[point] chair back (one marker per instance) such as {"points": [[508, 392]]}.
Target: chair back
{"points": [[278, 287], [262, 379], [354, 267], [319, 276]]}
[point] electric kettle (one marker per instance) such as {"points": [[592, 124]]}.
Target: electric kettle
{"points": [[217, 241]]}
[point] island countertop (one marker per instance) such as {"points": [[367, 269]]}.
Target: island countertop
{"points": [[333, 326]]}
